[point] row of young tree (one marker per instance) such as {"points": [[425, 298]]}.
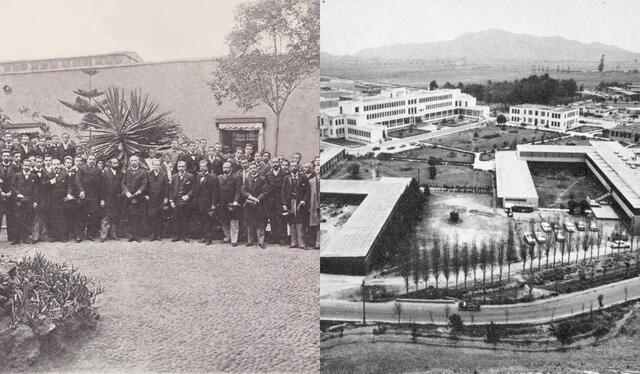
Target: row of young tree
{"points": [[452, 259]]}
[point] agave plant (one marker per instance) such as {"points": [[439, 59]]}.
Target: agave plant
{"points": [[124, 128]]}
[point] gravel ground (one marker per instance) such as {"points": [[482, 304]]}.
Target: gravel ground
{"points": [[188, 307]]}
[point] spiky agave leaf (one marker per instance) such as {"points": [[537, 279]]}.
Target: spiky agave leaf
{"points": [[123, 128]]}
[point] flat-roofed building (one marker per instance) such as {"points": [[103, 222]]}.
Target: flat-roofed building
{"points": [[560, 118], [351, 249], [625, 133], [329, 158], [514, 184], [370, 118]]}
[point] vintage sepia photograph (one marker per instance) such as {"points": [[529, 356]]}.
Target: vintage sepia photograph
{"points": [[159, 186], [480, 193]]}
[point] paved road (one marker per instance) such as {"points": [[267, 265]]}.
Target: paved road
{"points": [[181, 307], [536, 312]]}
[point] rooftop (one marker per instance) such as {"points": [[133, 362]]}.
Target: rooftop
{"points": [[360, 232], [513, 178], [328, 154], [545, 107]]}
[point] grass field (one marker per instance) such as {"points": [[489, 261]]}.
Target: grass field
{"points": [[420, 73], [426, 152], [495, 136], [343, 142], [449, 175], [572, 140], [406, 133], [555, 183]]}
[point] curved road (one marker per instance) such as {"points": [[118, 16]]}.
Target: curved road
{"points": [[539, 311]]}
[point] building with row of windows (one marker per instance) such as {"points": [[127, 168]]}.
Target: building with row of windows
{"points": [[110, 59], [628, 133], [561, 118], [370, 118]]}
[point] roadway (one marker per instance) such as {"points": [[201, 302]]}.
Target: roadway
{"points": [[539, 311]]}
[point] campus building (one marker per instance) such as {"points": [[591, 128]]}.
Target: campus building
{"points": [[561, 118], [627, 133], [352, 248], [616, 167], [370, 118], [31, 89]]}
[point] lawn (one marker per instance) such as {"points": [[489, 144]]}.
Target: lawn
{"points": [[406, 133], [343, 142], [555, 183], [446, 175], [491, 136], [427, 152], [572, 140]]}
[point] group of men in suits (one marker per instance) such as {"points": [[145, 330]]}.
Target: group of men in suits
{"points": [[72, 197]]}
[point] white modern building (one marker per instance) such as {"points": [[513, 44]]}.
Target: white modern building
{"points": [[370, 118], [561, 118]]}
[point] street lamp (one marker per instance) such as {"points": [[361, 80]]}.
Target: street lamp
{"points": [[364, 320]]}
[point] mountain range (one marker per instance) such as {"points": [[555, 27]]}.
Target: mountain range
{"points": [[494, 44]]}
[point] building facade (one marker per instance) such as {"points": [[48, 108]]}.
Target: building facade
{"points": [[552, 118], [179, 87], [370, 118], [628, 133]]}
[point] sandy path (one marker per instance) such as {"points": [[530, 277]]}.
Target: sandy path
{"points": [[189, 307]]}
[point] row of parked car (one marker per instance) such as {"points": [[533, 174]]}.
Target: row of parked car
{"points": [[541, 236], [391, 147]]}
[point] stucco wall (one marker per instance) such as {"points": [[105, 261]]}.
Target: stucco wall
{"points": [[180, 87]]}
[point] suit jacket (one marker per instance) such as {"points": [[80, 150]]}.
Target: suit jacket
{"points": [[298, 190], [157, 190], [215, 166], [274, 183], [192, 160], [56, 192], [207, 191], [6, 174], [134, 181], [56, 152], [111, 192], [70, 151], [230, 189], [26, 186], [258, 188], [25, 153], [180, 188], [89, 180]]}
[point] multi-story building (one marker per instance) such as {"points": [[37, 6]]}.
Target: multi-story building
{"points": [[116, 58], [370, 119], [561, 118]]}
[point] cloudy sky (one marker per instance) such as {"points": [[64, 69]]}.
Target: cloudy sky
{"points": [[348, 26], [155, 29]]}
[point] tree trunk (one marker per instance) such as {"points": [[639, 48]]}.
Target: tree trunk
{"points": [[277, 133]]}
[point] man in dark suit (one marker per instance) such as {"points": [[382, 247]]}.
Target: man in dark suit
{"points": [[207, 193], [73, 204], [66, 148], [7, 207], [214, 163], [134, 183], [89, 179], [182, 192], [25, 190], [273, 202], [39, 218], [295, 194], [54, 149], [111, 195], [230, 188], [157, 196], [25, 148], [56, 188], [192, 158], [254, 191]]}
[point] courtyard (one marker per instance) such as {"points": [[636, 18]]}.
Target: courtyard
{"points": [[191, 308], [556, 183]]}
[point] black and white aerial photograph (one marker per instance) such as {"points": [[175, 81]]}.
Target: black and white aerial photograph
{"points": [[480, 193], [159, 186]]}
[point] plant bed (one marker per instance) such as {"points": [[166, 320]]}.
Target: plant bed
{"points": [[42, 306]]}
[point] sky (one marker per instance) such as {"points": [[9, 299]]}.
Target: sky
{"points": [[156, 29], [348, 26]]}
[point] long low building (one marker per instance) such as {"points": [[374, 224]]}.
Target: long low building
{"points": [[350, 250], [514, 184], [615, 166]]}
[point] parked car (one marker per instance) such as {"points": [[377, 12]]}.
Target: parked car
{"points": [[402, 145], [390, 148], [529, 239], [540, 237], [376, 148], [546, 227], [559, 235], [569, 226], [593, 226], [581, 226], [412, 143], [468, 306]]}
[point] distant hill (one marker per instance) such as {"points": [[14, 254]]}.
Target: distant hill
{"points": [[494, 44]]}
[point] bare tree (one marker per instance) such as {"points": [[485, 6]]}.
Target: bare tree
{"points": [[435, 257], [585, 245], [397, 309], [492, 256], [523, 253], [425, 268], [599, 239], [456, 260], [416, 269], [473, 259], [464, 260], [512, 254], [446, 261], [484, 260]]}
